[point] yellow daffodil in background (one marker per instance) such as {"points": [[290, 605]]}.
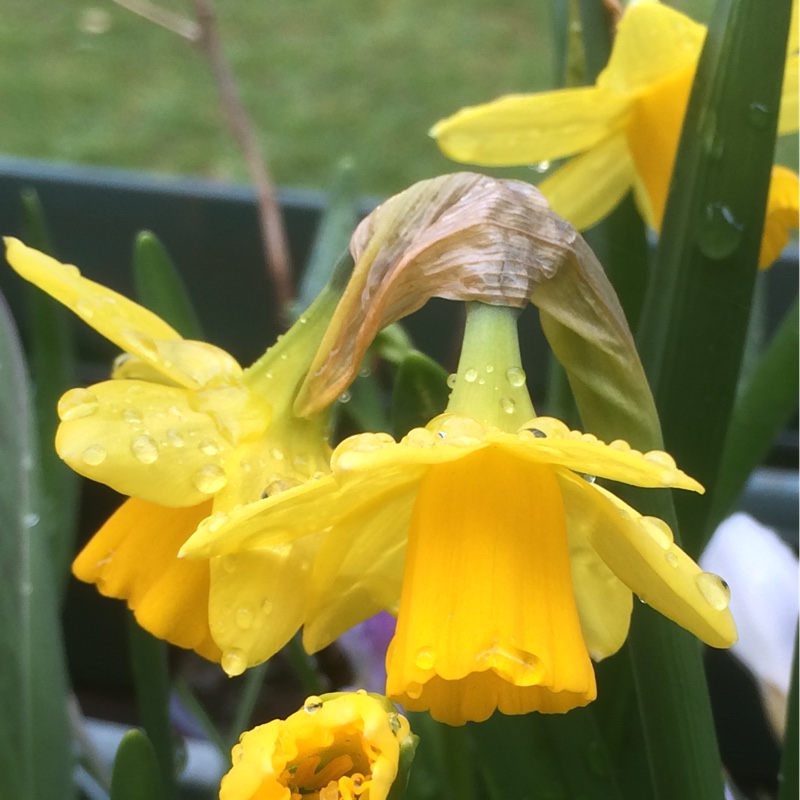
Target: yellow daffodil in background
{"points": [[511, 566], [336, 746], [621, 133], [186, 433]]}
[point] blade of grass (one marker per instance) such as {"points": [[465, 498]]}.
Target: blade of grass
{"points": [[51, 356], [136, 770], [35, 755], [698, 304], [151, 679], [253, 681], [762, 410]]}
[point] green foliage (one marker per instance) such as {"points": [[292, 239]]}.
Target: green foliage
{"points": [[136, 773]]}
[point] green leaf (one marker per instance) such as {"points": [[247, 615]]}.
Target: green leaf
{"points": [[151, 679], [51, 352], [420, 393], [160, 288], [35, 755], [763, 408], [332, 237], [136, 773], [698, 305]]}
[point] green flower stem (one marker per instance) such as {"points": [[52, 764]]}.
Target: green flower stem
{"points": [[490, 385]]}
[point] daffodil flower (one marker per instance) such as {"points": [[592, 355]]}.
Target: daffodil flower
{"points": [[337, 747], [512, 567], [621, 133], [187, 434]]}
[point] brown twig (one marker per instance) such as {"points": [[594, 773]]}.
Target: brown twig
{"points": [[203, 33]]}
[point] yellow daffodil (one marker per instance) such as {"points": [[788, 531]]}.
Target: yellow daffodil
{"points": [[511, 566], [187, 434], [621, 133], [337, 747]]}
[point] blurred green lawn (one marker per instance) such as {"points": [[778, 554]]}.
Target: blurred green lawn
{"points": [[323, 79]]}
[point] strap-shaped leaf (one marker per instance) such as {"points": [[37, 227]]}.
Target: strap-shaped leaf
{"points": [[136, 775], [35, 760]]}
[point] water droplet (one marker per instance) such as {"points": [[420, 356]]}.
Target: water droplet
{"points": [[266, 607], [759, 115], [471, 375], [276, 453], [460, 431], [714, 589], [140, 344], [312, 704], [30, 519], [132, 416], [94, 455], [174, 438], [489, 369], [357, 779], [84, 308], [244, 618], [216, 521], [537, 434], [661, 458], [671, 558], [210, 479], [587, 477], [208, 448], [508, 405], [414, 690], [620, 444], [419, 437], [589, 437], [425, 658], [658, 531], [719, 232], [344, 397], [233, 662], [77, 403], [515, 376], [452, 379], [277, 486], [541, 167], [144, 449]]}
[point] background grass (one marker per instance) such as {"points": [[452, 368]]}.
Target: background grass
{"points": [[323, 79]]}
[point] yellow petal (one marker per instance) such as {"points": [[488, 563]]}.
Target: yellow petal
{"points": [[133, 557], [604, 602], [589, 186], [782, 214], [652, 42], [653, 135], [640, 551], [359, 568], [258, 600], [144, 440], [529, 128], [130, 326], [487, 589], [788, 119]]}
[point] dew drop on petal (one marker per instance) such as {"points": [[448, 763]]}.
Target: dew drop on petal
{"points": [[489, 369], [671, 558], [77, 403], [244, 618], [425, 658], [229, 563], [234, 662], [140, 343], [621, 445], [208, 448], [508, 405], [144, 449], [515, 376], [94, 455], [312, 704], [414, 690], [276, 453], [84, 308], [174, 438], [661, 458], [714, 590], [471, 375], [658, 530], [132, 416], [209, 479], [266, 607], [419, 437]]}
